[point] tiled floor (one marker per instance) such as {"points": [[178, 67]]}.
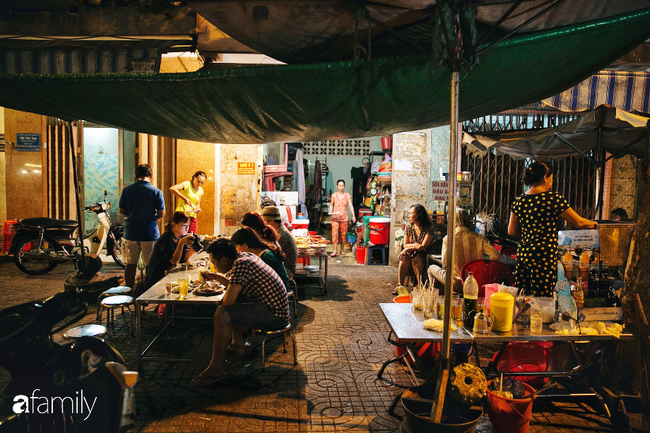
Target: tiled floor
{"points": [[341, 345]]}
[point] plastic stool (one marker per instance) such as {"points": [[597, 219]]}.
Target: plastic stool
{"points": [[284, 331], [85, 331], [113, 291], [110, 304], [384, 255]]}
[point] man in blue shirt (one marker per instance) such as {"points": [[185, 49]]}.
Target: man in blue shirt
{"points": [[143, 205]]}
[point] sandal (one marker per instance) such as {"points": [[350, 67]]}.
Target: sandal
{"points": [[333, 255], [342, 253], [205, 381]]}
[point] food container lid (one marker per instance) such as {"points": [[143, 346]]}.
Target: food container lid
{"points": [[379, 220], [501, 297]]}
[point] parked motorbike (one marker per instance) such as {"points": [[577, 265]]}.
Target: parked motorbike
{"points": [[75, 386], [39, 244]]}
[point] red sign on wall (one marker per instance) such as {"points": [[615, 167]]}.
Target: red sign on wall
{"points": [[245, 168]]}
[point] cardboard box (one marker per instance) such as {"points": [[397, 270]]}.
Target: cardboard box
{"points": [[602, 314]]}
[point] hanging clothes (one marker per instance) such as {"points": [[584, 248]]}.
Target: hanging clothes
{"points": [[299, 175]]}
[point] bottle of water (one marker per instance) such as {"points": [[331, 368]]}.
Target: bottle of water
{"points": [[470, 294]]}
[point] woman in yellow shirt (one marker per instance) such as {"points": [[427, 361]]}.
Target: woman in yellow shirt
{"points": [[189, 198]]}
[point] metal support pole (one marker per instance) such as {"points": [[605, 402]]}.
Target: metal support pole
{"points": [[443, 376], [600, 173], [77, 193]]}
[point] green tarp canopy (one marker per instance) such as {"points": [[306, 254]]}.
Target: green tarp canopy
{"points": [[329, 101]]}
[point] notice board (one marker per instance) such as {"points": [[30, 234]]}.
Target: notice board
{"points": [[28, 142]]}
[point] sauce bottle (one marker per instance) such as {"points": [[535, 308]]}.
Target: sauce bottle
{"points": [[579, 294], [470, 294], [567, 260]]}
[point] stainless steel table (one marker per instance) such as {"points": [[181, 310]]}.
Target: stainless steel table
{"points": [[322, 270], [156, 295]]}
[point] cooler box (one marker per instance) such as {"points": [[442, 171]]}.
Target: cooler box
{"points": [[300, 224], [364, 212], [366, 229]]}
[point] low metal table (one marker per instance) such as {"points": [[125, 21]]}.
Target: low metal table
{"points": [[322, 270], [156, 295]]}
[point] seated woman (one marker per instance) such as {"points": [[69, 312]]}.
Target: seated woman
{"points": [[418, 236], [468, 246], [267, 234], [171, 248], [247, 241]]}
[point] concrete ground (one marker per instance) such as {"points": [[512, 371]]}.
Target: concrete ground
{"points": [[342, 344]]}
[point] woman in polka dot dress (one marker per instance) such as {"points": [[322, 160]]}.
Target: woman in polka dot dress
{"points": [[536, 216]]}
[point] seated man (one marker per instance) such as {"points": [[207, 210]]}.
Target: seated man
{"points": [[255, 298], [619, 214], [468, 246], [271, 215]]}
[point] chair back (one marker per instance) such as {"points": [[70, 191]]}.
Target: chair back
{"points": [[485, 272]]}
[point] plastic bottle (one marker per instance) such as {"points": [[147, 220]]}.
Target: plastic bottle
{"points": [[579, 294], [470, 294], [584, 260], [567, 260]]}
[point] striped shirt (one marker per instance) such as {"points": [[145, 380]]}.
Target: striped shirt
{"points": [[260, 284]]}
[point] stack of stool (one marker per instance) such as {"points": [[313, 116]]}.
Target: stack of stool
{"points": [[370, 249], [114, 298]]}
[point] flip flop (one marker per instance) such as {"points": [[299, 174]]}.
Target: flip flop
{"points": [[205, 381], [333, 255], [342, 253]]}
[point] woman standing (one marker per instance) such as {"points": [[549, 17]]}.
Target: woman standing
{"points": [[535, 217], [339, 210], [418, 236], [189, 197], [171, 248]]}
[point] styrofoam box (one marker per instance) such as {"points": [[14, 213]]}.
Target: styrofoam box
{"points": [[602, 313], [287, 198]]}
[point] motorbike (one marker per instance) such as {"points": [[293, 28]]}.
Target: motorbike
{"points": [[75, 386], [39, 244]]}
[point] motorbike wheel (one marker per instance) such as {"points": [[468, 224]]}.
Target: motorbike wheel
{"points": [[114, 248], [36, 266]]}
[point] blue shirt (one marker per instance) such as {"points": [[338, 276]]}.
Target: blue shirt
{"points": [[141, 200]]}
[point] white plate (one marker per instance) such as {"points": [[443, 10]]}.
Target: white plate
{"points": [[312, 268]]}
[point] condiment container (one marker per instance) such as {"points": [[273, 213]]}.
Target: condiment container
{"points": [[501, 308]]}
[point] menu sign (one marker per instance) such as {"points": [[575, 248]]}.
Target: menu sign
{"points": [[439, 190], [245, 168]]}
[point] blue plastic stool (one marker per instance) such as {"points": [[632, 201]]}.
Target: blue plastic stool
{"points": [[384, 255]]}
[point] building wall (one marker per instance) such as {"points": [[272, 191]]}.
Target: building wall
{"points": [[101, 169], [411, 180], [192, 156], [24, 170]]}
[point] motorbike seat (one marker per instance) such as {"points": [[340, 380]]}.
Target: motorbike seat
{"points": [[50, 223]]}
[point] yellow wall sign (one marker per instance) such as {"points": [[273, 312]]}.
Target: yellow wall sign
{"points": [[245, 168]]}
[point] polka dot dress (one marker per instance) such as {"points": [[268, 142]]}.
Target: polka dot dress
{"points": [[539, 219]]}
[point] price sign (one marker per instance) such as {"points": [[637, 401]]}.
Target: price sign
{"points": [[439, 190], [245, 168]]}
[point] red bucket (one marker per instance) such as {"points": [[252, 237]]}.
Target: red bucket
{"points": [[379, 230], [387, 142], [361, 255], [509, 415]]}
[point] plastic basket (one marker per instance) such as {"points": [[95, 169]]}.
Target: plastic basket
{"points": [[525, 357]]}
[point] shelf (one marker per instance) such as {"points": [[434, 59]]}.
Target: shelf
{"points": [[384, 179]]}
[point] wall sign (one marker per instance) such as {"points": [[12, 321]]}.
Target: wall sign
{"points": [[2, 142], [245, 168], [28, 142], [439, 190]]}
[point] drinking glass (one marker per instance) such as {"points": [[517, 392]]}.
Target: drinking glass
{"points": [[183, 287], [457, 308], [416, 298], [168, 289], [429, 304], [441, 307], [536, 320]]}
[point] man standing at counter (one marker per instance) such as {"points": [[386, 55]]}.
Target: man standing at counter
{"points": [[535, 217], [255, 298]]}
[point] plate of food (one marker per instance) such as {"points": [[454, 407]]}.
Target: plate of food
{"points": [[208, 291]]}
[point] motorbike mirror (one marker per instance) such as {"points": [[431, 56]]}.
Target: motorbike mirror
{"points": [[105, 194]]}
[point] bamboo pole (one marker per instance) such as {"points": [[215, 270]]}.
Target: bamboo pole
{"points": [[443, 376]]}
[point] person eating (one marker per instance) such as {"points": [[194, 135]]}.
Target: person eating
{"points": [[255, 298]]}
